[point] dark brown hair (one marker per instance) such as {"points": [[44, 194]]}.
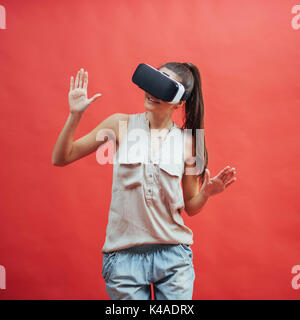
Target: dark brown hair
{"points": [[194, 106]]}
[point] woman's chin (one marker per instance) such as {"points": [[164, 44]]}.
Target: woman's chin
{"points": [[150, 106]]}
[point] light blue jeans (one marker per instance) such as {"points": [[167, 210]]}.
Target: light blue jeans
{"points": [[128, 273]]}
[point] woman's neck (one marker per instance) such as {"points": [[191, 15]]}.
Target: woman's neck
{"points": [[157, 121]]}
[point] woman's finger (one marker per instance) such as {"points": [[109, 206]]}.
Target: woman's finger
{"points": [[228, 176], [230, 182], [85, 83], [223, 172], [71, 83], [96, 96], [77, 80], [80, 78], [228, 172]]}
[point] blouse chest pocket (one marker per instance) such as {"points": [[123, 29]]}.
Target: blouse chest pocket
{"points": [[130, 175], [170, 176]]}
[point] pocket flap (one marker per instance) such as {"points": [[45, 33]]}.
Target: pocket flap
{"points": [[130, 163], [172, 169], [130, 160]]}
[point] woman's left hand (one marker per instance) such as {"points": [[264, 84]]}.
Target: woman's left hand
{"points": [[219, 183]]}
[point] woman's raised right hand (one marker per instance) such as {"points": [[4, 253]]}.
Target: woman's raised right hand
{"points": [[78, 99]]}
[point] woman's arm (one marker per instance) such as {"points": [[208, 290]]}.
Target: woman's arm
{"points": [[65, 150], [195, 199], [63, 146]]}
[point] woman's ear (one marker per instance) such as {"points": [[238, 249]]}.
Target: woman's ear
{"points": [[180, 104]]}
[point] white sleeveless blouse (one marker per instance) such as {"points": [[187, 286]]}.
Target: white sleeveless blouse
{"points": [[147, 198]]}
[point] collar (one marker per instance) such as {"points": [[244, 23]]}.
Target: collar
{"points": [[146, 121]]}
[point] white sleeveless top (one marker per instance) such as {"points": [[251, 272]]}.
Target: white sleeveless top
{"points": [[147, 199]]}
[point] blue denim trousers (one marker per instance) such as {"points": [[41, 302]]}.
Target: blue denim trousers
{"points": [[129, 273]]}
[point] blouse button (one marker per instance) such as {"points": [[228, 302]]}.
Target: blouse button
{"points": [[150, 175]]}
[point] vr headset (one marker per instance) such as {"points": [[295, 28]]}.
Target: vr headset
{"points": [[158, 84]]}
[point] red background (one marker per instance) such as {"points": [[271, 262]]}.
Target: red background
{"points": [[53, 219]]}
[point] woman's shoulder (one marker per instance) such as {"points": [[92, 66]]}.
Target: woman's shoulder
{"points": [[120, 116], [125, 116]]}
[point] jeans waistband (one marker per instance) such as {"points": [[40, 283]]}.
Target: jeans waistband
{"points": [[144, 248]]}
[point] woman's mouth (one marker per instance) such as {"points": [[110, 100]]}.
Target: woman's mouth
{"points": [[150, 100]]}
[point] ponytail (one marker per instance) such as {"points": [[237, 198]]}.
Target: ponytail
{"points": [[194, 111], [194, 106]]}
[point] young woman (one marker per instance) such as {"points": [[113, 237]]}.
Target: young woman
{"points": [[146, 239]]}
